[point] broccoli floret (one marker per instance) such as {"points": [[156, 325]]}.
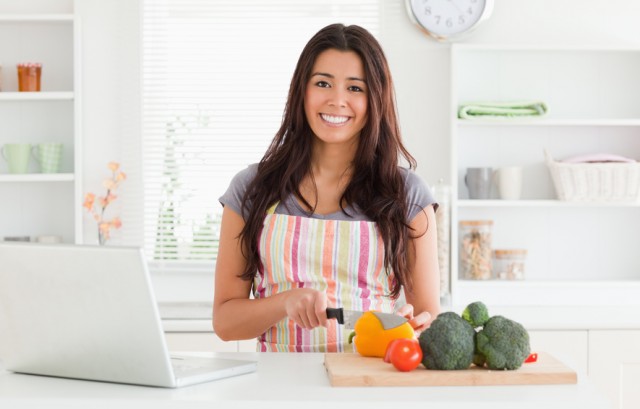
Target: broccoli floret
{"points": [[476, 314], [448, 343], [503, 343]]}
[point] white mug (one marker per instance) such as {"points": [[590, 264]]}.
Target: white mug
{"points": [[510, 182]]}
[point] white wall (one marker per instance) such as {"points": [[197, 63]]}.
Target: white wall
{"points": [[110, 64], [420, 67], [111, 67]]}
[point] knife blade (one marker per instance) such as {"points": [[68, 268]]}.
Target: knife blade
{"points": [[349, 317]]}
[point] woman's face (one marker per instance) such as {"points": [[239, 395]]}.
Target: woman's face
{"points": [[335, 100]]}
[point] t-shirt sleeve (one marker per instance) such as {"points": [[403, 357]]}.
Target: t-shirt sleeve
{"points": [[419, 194], [237, 188]]}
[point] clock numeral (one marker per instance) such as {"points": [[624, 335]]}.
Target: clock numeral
{"points": [[447, 17]]}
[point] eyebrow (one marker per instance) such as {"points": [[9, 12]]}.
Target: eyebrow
{"points": [[324, 74]]}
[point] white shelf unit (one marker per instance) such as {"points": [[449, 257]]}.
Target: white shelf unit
{"points": [[34, 178], [35, 204], [37, 18], [578, 253], [36, 96]]}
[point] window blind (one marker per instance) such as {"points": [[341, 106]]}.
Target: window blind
{"points": [[215, 76]]}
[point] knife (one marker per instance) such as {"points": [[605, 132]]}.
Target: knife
{"points": [[349, 317]]}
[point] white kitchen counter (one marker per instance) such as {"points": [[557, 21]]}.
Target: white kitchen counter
{"points": [[287, 381]]}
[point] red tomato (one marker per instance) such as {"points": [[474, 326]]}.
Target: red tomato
{"points": [[404, 353]]}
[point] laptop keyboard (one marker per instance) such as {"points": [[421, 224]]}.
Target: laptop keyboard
{"points": [[187, 366], [197, 364], [184, 366]]}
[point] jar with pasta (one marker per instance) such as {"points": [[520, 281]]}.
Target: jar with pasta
{"points": [[475, 249]]}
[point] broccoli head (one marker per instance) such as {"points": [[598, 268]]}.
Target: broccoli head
{"points": [[503, 343], [448, 343], [476, 314]]}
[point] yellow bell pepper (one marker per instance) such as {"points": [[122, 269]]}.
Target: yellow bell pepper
{"points": [[371, 339]]}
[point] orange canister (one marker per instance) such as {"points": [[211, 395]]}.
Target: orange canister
{"points": [[29, 76]]}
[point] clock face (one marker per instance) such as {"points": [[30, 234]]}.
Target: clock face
{"points": [[445, 18]]}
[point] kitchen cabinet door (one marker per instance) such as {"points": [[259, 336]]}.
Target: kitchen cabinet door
{"points": [[248, 345], [570, 347], [614, 365], [198, 342]]}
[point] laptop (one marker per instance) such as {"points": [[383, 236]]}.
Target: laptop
{"points": [[89, 312]]}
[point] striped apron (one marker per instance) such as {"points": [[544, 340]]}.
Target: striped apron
{"points": [[342, 258]]}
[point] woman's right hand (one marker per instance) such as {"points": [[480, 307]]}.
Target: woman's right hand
{"points": [[307, 307]]}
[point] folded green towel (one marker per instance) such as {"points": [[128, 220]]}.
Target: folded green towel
{"points": [[507, 109]]}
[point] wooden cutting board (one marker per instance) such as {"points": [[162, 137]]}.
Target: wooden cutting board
{"points": [[351, 369]]}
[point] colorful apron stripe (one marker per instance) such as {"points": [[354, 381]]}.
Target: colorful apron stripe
{"points": [[342, 258]]}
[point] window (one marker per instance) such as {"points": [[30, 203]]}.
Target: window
{"points": [[215, 76]]}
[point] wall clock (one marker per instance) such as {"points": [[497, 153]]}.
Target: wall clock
{"points": [[447, 20]]}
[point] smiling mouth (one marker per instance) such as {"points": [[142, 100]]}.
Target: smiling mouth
{"points": [[334, 119]]}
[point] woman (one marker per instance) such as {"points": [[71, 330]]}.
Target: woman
{"points": [[327, 218]]}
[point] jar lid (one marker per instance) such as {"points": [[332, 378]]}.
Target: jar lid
{"points": [[475, 222], [29, 65], [510, 252]]}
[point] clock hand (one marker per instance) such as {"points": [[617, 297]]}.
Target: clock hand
{"points": [[456, 6]]}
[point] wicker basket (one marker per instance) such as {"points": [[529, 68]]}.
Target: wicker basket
{"points": [[595, 182]]}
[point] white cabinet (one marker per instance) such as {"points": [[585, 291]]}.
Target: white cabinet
{"points": [[35, 204], [570, 347], [578, 253], [205, 342], [614, 365], [247, 345]]}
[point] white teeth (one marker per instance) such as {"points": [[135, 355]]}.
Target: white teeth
{"points": [[335, 119]]}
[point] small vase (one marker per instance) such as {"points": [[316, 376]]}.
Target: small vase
{"points": [[102, 239]]}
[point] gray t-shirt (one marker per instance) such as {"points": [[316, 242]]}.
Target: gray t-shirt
{"points": [[419, 196]]}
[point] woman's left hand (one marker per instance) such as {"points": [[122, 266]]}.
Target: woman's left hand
{"points": [[419, 322]]}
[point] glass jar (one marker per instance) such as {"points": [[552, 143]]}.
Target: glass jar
{"points": [[442, 194], [475, 249], [509, 264], [29, 77]]}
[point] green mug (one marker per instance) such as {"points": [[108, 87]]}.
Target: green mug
{"points": [[17, 156], [48, 156]]}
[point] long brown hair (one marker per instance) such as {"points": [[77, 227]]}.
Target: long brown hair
{"points": [[376, 187]]}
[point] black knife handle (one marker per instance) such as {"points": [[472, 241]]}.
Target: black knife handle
{"points": [[336, 313]]}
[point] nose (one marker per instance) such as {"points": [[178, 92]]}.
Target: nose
{"points": [[338, 98]]}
